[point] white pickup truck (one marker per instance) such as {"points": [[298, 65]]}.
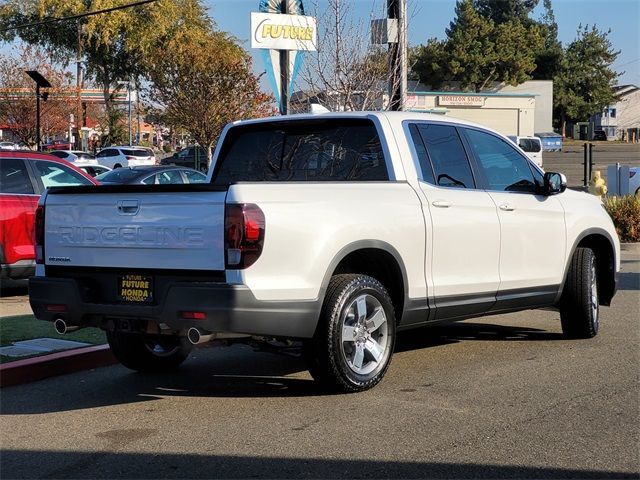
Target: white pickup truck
{"points": [[338, 230]]}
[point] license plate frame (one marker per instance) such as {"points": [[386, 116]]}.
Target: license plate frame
{"points": [[135, 289]]}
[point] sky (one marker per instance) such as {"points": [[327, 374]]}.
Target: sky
{"points": [[430, 18]]}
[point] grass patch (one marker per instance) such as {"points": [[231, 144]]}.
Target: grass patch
{"points": [[27, 327]]}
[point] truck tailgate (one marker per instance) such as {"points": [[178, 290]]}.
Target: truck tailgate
{"points": [[142, 227]]}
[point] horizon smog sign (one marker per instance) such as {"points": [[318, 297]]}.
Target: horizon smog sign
{"points": [[461, 100], [283, 32]]}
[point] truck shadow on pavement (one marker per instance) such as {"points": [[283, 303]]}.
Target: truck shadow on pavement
{"points": [[432, 336], [238, 371], [73, 464]]}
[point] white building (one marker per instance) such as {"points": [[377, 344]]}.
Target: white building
{"points": [[523, 110], [621, 121]]}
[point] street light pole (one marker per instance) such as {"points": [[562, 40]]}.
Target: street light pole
{"points": [[44, 83], [38, 145]]}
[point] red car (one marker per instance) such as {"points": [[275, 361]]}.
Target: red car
{"points": [[24, 176]]}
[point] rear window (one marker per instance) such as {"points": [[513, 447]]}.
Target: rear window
{"points": [[135, 152], [530, 145], [119, 175], [319, 150]]}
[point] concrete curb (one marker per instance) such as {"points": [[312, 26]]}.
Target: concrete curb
{"points": [[60, 363]]}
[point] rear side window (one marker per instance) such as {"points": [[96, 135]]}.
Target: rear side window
{"points": [[194, 177], [529, 145], [421, 151], [450, 163], [108, 153], [327, 150], [14, 177], [135, 152]]}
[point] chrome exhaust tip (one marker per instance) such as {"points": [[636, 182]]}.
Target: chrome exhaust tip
{"points": [[62, 328], [197, 337]]}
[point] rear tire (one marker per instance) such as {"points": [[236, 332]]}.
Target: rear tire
{"points": [[117, 165], [579, 305], [148, 353], [353, 344]]}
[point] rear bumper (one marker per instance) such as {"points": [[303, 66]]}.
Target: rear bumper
{"points": [[228, 308], [22, 269]]}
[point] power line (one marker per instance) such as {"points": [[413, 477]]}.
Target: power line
{"points": [[74, 17], [628, 63]]}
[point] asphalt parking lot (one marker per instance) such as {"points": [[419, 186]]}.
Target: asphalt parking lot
{"points": [[498, 397], [571, 160]]}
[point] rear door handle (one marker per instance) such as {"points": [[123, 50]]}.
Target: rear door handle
{"points": [[507, 207], [441, 203]]}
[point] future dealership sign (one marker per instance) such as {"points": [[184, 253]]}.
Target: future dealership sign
{"points": [[284, 33]]}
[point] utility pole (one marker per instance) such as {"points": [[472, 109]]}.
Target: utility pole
{"points": [[397, 9]]}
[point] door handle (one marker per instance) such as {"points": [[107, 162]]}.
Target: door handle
{"points": [[441, 203], [507, 207], [128, 207]]}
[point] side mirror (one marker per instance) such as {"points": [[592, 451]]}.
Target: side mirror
{"points": [[554, 183]]}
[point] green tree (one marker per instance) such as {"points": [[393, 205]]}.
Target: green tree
{"points": [[584, 84], [113, 46], [479, 51], [203, 80], [549, 58], [430, 63], [501, 11]]}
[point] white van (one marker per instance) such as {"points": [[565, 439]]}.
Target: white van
{"points": [[532, 146]]}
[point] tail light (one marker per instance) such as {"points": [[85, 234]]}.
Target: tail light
{"points": [[39, 234], [244, 234], [129, 158]]}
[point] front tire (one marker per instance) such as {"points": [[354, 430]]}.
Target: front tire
{"points": [[353, 344], [148, 353], [579, 305]]}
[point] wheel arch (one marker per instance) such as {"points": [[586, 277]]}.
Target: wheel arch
{"points": [[603, 247], [377, 259]]}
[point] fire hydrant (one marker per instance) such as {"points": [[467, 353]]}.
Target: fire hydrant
{"points": [[598, 186]]}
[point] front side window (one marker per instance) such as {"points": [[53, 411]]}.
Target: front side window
{"points": [[327, 150], [505, 168], [14, 177], [450, 163], [56, 175]]}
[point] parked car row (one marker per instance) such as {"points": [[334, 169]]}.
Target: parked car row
{"points": [[192, 157], [25, 175]]}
